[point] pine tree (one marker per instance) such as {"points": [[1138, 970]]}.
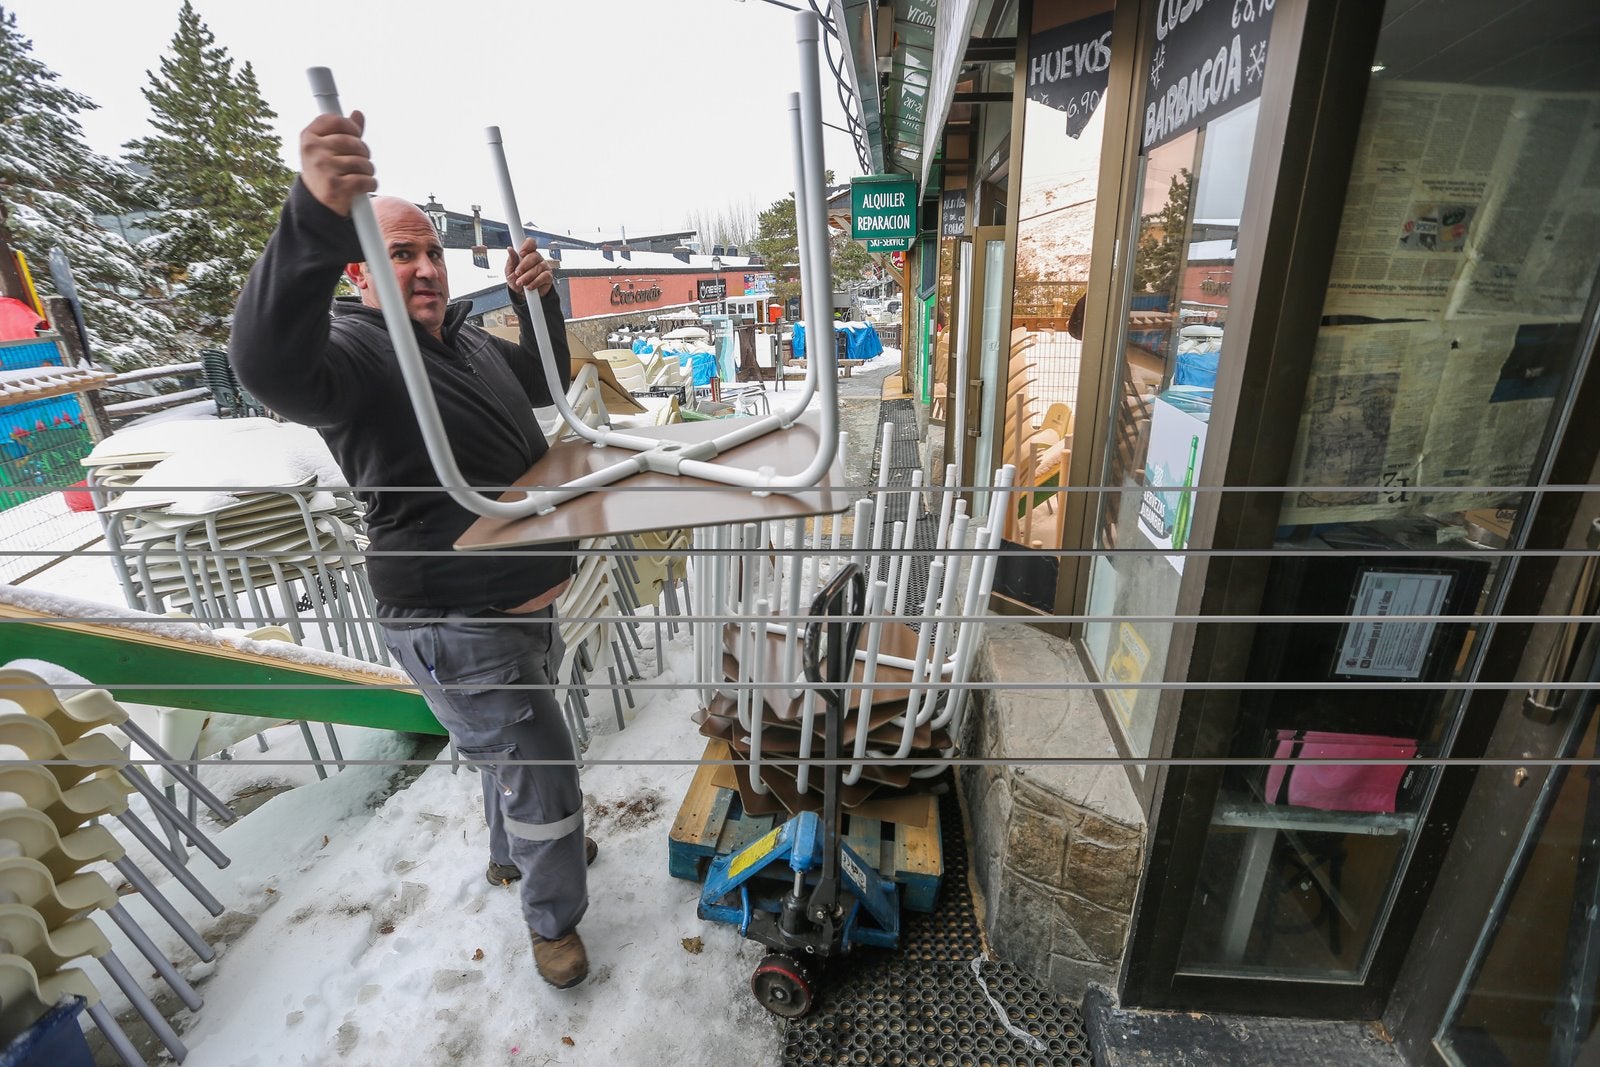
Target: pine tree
{"points": [[1164, 239], [215, 176], [257, 154], [777, 241], [52, 188]]}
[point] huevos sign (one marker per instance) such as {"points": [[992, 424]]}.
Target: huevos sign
{"points": [[883, 207]]}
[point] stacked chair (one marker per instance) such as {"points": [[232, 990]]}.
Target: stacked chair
{"points": [[232, 399], [49, 895], [1036, 439], [617, 576], [904, 718], [250, 557], [600, 617]]}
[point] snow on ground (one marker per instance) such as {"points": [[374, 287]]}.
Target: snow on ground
{"points": [[32, 533], [369, 935], [359, 927]]}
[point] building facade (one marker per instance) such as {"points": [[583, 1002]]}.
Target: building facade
{"points": [[1286, 315]]}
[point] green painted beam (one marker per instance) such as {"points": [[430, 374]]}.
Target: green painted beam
{"points": [[116, 660]]}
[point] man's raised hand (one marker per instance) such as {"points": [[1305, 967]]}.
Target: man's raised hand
{"points": [[527, 269], [335, 163]]}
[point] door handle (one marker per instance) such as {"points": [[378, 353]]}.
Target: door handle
{"points": [[1542, 705]]}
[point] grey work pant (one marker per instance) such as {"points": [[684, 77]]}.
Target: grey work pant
{"points": [[535, 813]]}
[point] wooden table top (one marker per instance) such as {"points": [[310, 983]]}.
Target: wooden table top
{"points": [[661, 501]]}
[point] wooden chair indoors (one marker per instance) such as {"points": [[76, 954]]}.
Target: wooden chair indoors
{"points": [[1038, 445], [1041, 453]]}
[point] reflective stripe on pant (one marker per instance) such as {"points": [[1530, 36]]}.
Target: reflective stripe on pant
{"points": [[535, 813]]}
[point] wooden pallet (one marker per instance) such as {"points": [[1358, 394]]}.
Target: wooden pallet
{"points": [[711, 822]]}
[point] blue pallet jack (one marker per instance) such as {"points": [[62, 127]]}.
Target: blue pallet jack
{"points": [[836, 900]]}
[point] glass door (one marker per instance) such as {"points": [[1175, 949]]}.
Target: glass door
{"points": [[1455, 326], [1424, 317], [989, 371], [1531, 995]]}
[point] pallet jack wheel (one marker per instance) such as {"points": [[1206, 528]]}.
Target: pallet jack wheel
{"points": [[781, 986]]}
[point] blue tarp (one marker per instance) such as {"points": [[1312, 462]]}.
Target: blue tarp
{"points": [[55, 1040], [702, 364], [1196, 368], [861, 340]]}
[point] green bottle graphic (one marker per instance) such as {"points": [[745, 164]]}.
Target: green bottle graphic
{"points": [[1180, 525]]}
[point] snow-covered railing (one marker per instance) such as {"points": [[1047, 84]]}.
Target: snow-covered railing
{"points": [[159, 402]]}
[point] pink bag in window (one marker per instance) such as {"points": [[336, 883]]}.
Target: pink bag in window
{"points": [[1339, 786]]}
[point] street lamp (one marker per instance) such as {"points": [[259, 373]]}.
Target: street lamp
{"points": [[436, 215]]}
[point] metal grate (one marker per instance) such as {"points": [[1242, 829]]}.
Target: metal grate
{"points": [[904, 459], [920, 1006]]}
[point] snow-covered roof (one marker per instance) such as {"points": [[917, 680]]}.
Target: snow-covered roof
{"points": [[592, 259], [1207, 251], [467, 279]]}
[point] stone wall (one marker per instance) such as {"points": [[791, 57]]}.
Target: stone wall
{"points": [[591, 333], [1056, 851]]}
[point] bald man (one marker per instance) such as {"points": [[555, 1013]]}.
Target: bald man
{"points": [[466, 626]]}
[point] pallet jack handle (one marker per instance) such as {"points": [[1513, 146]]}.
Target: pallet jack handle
{"points": [[829, 655]]}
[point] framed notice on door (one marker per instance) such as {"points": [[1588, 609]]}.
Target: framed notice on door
{"points": [[1374, 647]]}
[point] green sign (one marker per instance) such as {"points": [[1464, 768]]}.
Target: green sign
{"points": [[883, 207]]}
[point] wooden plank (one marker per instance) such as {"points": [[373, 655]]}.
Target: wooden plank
{"points": [[696, 823], [865, 837], [712, 822], [919, 862]]}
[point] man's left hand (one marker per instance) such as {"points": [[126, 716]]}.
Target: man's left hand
{"points": [[527, 269]]}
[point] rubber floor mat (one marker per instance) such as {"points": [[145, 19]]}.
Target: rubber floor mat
{"points": [[921, 1005]]}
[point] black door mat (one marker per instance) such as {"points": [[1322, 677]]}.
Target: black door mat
{"points": [[921, 1005], [1125, 1037]]}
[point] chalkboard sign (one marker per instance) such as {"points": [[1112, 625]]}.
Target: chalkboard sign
{"points": [[1069, 68], [953, 213], [1207, 59]]}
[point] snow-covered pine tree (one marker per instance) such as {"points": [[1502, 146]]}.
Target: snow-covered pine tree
{"points": [[52, 187], [257, 153], [215, 175]]}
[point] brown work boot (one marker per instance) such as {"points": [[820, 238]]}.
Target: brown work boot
{"points": [[506, 873], [561, 961]]}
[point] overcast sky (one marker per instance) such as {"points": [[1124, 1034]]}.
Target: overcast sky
{"points": [[615, 112]]}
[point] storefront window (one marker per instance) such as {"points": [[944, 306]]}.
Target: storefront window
{"points": [[1203, 81], [1465, 265], [943, 393], [1069, 62]]}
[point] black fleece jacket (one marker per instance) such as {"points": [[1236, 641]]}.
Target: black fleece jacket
{"points": [[339, 374]]}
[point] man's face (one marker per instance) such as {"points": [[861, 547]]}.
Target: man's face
{"points": [[417, 259]]}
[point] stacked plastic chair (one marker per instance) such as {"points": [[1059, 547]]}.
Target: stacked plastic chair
{"points": [[655, 564], [47, 893], [248, 557], [232, 399], [601, 592]]}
